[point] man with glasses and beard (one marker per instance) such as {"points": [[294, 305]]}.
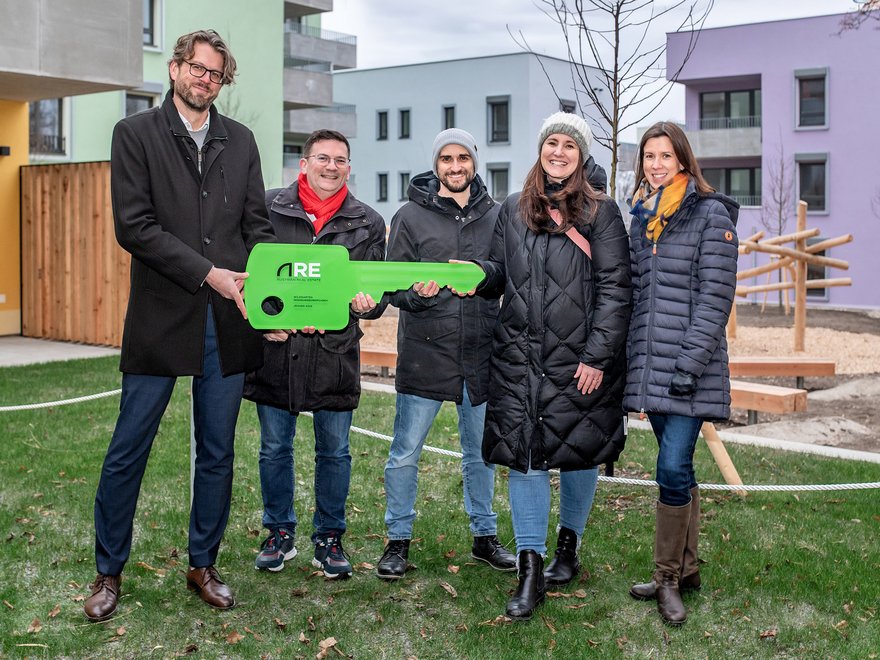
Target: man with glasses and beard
{"points": [[310, 369], [443, 346], [187, 196]]}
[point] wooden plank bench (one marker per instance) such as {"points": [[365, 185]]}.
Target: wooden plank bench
{"points": [[755, 397], [384, 358], [799, 367]]}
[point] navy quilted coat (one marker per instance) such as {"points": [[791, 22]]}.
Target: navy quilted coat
{"points": [[682, 295], [559, 308]]}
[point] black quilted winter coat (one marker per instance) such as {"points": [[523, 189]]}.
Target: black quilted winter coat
{"points": [[682, 295], [559, 309]]}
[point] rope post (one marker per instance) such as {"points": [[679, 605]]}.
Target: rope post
{"points": [[800, 282], [722, 458]]}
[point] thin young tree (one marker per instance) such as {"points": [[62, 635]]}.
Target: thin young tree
{"points": [[625, 41], [777, 204]]}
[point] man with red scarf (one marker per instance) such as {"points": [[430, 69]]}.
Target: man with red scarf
{"points": [[310, 369]]}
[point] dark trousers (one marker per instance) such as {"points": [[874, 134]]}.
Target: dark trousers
{"points": [[216, 401]]}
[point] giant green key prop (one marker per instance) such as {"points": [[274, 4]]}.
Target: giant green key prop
{"points": [[295, 286]]}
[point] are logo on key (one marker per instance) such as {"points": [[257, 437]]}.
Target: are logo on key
{"points": [[299, 269]]}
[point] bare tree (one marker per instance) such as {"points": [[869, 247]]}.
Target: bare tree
{"points": [[616, 37], [777, 206], [867, 10]]}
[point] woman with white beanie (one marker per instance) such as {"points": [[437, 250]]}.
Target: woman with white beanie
{"points": [[560, 258]]}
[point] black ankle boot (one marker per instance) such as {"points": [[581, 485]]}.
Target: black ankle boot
{"points": [[530, 590], [565, 565], [393, 564]]}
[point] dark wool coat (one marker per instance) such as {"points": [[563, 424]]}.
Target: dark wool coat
{"points": [[560, 308], [682, 298], [317, 371], [443, 342], [177, 223]]}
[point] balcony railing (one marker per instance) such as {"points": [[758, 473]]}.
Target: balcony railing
{"points": [[307, 65], [748, 200], [291, 158], [318, 33], [337, 107], [722, 123], [48, 144]]}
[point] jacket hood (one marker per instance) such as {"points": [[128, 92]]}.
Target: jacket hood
{"points": [[691, 196], [424, 190], [596, 175]]}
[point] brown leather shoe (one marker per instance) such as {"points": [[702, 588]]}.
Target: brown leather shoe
{"points": [[207, 584], [101, 605]]}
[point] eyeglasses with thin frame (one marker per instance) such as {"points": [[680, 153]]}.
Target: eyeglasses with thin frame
{"points": [[324, 160], [199, 71]]}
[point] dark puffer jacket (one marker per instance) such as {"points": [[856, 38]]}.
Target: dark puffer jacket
{"points": [[683, 292], [317, 371], [560, 308], [445, 341]]}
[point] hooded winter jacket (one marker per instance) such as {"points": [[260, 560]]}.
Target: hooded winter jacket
{"points": [[683, 290], [445, 341], [317, 371], [560, 308]]}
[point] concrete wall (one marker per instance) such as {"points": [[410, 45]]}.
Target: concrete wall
{"points": [[50, 48], [424, 89], [13, 134], [775, 51]]}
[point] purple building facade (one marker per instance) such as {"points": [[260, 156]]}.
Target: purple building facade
{"points": [[792, 105]]}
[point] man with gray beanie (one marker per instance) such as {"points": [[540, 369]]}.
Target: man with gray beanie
{"points": [[443, 347]]}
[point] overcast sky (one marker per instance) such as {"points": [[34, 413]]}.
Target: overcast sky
{"points": [[391, 32]]}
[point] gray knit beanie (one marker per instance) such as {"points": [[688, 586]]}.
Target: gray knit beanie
{"points": [[571, 125], [454, 136]]}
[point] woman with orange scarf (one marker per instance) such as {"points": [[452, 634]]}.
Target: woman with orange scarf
{"points": [[683, 249]]}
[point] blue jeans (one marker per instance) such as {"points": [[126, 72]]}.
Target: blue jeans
{"points": [[530, 504], [412, 422], [676, 438], [332, 469], [216, 401]]}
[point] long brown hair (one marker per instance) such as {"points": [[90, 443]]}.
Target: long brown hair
{"points": [[683, 153], [576, 195]]}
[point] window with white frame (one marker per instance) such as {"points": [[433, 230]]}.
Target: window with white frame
{"points": [[812, 98], [382, 187], [152, 22], [403, 178], [139, 101]]}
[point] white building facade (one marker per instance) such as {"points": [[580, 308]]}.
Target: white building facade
{"points": [[502, 100]]}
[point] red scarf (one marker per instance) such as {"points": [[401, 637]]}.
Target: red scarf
{"points": [[322, 209]]}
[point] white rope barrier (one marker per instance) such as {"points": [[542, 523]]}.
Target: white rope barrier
{"points": [[455, 454], [65, 402]]}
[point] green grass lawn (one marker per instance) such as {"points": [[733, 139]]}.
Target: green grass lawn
{"points": [[785, 575]]}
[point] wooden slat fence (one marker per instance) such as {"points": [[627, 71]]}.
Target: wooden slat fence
{"points": [[74, 274]]}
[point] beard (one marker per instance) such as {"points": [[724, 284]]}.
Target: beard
{"points": [[191, 100], [457, 187]]}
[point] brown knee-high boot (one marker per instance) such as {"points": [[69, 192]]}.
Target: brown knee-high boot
{"points": [[690, 567], [690, 571], [669, 542]]}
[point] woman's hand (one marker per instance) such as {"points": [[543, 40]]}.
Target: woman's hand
{"points": [[462, 294], [588, 378], [426, 289], [276, 335]]}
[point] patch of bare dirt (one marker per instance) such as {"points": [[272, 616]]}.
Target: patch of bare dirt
{"points": [[842, 410]]}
